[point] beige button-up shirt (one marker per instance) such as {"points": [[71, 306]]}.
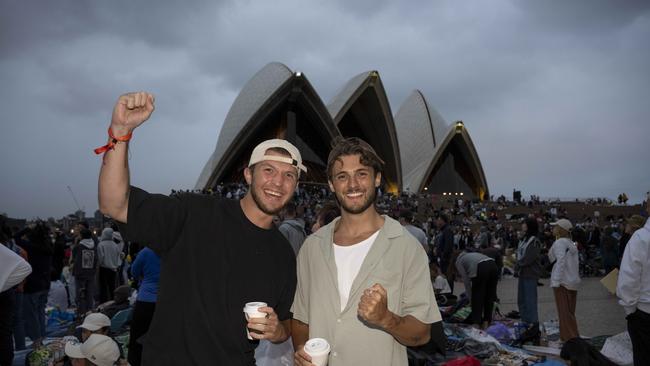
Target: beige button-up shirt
{"points": [[396, 261]]}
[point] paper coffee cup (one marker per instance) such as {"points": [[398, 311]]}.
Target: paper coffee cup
{"points": [[251, 311], [319, 350]]}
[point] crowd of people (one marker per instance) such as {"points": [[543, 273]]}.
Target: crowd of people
{"points": [[364, 271], [77, 272]]}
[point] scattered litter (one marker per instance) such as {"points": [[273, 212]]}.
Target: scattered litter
{"points": [[543, 350], [619, 349]]}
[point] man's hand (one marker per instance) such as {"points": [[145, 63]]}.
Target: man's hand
{"points": [[407, 330], [373, 307], [130, 111], [301, 358], [267, 328]]}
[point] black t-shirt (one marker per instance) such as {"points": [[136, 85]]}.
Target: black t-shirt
{"points": [[213, 261]]}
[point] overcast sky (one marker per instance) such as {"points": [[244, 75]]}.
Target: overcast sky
{"points": [[555, 94]]}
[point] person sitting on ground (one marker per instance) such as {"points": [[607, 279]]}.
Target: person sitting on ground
{"points": [[120, 302], [441, 288], [98, 323], [440, 284], [94, 323], [97, 350]]}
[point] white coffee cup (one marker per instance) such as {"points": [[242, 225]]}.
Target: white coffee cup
{"points": [[251, 310], [319, 350]]}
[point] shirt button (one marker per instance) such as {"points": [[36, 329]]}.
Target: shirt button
{"points": [[338, 320], [334, 354]]}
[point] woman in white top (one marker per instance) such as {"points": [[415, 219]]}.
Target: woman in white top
{"points": [[565, 278]]}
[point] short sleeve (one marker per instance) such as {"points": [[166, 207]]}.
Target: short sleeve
{"points": [[300, 307], [418, 299], [154, 220]]}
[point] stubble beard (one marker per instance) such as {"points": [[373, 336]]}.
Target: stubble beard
{"points": [[355, 211], [260, 203]]}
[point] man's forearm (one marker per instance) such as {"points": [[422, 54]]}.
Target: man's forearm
{"points": [[114, 182], [407, 330], [130, 111], [299, 333], [285, 325]]}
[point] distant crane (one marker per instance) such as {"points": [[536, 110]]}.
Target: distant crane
{"points": [[74, 198]]}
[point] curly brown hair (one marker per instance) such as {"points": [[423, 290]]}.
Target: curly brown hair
{"points": [[342, 146]]}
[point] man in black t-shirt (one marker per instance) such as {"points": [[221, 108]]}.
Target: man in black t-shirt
{"points": [[216, 255]]}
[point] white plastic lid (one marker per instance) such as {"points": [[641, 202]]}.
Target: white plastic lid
{"points": [[317, 346], [252, 307]]}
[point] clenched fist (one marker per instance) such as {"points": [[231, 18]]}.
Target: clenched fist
{"points": [[130, 111], [373, 307]]}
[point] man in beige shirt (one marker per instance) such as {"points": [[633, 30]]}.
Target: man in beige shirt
{"points": [[363, 280]]}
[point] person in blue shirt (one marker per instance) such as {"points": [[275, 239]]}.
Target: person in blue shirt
{"points": [[146, 270]]}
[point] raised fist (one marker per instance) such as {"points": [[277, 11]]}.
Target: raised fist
{"points": [[373, 306], [130, 111]]}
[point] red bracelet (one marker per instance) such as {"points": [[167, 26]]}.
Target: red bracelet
{"points": [[114, 140]]}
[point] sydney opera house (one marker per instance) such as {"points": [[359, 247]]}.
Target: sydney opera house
{"points": [[423, 153]]}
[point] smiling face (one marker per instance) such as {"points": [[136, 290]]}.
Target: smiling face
{"points": [[272, 183], [354, 184]]}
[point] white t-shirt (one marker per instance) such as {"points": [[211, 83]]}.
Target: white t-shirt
{"points": [[441, 284], [348, 263]]}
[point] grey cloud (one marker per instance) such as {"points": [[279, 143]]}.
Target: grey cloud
{"points": [[25, 25], [363, 8], [584, 17], [28, 25]]}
